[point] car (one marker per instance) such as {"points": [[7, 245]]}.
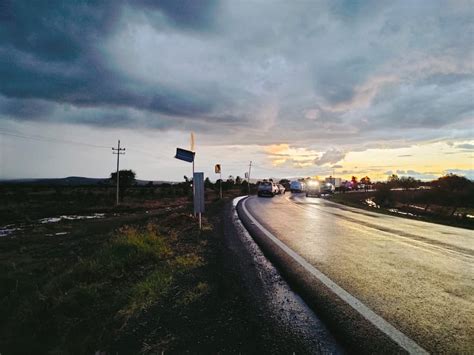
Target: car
{"points": [[327, 188], [281, 189], [297, 186], [313, 189], [317, 189], [267, 188]]}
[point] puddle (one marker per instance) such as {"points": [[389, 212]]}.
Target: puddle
{"points": [[70, 218], [7, 230], [56, 234], [371, 203], [394, 210]]}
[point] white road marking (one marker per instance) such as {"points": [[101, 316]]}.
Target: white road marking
{"points": [[385, 327]]}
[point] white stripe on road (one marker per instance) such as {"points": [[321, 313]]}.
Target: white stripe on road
{"points": [[393, 333]]}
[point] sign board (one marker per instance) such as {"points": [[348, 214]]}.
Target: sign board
{"points": [[198, 181], [246, 175], [217, 168], [183, 154]]}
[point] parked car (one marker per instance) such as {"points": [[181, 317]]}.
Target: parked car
{"points": [[281, 189], [267, 188], [297, 186]]}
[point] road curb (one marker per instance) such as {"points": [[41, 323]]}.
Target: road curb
{"points": [[296, 320]]}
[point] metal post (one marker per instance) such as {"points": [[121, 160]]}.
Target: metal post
{"points": [[194, 194], [200, 221], [220, 185], [248, 183]]}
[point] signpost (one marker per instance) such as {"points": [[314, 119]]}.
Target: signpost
{"points": [[198, 180], [217, 169], [198, 183], [186, 155]]}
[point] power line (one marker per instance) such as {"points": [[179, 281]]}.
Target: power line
{"points": [[51, 140], [152, 155]]}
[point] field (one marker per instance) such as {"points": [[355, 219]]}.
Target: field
{"points": [[79, 275], [407, 204]]}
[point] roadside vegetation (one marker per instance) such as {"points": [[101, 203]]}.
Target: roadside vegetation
{"points": [[447, 200], [141, 279]]}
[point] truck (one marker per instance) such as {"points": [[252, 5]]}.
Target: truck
{"points": [[334, 181]]}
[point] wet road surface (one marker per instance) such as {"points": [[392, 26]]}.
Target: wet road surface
{"points": [[417, 276]]}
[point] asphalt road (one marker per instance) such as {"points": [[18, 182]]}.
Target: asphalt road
{"points": [[414, 280]]}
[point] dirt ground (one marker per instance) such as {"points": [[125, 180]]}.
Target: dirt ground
{"points": [[141, 278]]}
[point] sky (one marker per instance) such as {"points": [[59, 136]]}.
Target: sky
{"points": [[300, 88]]}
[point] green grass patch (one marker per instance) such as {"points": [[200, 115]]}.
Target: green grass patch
{"points": [[82, 305]]}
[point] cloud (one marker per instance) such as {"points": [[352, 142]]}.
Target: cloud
{"points": [[284, 154], [312, 74], [465, 146], [330, 157], [430, 175]]}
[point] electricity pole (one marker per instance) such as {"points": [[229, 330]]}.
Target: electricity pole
{"points": [[118, 151], [250, 168]]}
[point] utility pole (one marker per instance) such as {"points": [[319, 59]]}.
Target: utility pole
{"points": [[250, 168], [118, 151]]}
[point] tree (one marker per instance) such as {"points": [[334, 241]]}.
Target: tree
{"points": [[407, 182], [126, 179], [393, 180], [455, 191], [366, 182], [452, 182], [384, 195], [354, 182], [208, 184], [238, 180]]}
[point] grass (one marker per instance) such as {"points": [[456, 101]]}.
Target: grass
{"points": [[98, 293], [357, 200], [145, 281]]}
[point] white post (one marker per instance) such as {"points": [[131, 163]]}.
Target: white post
{"points": [[220, 184], [248, 182], [194, 195]]}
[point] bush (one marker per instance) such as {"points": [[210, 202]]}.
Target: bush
{"points": [[384, 195]]}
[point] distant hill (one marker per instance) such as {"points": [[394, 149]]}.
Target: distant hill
{"points": [[71, 181]]}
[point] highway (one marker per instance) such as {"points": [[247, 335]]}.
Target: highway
{"points": [[411, 280]]}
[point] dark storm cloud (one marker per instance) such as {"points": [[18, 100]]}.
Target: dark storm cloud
{"points": [[338, 73], [26, 109], [48, 51], [196, 15]]}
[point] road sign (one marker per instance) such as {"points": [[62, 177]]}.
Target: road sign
{"points": [[217, 168], [198, 181], [246, 175], [183, 154]]}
